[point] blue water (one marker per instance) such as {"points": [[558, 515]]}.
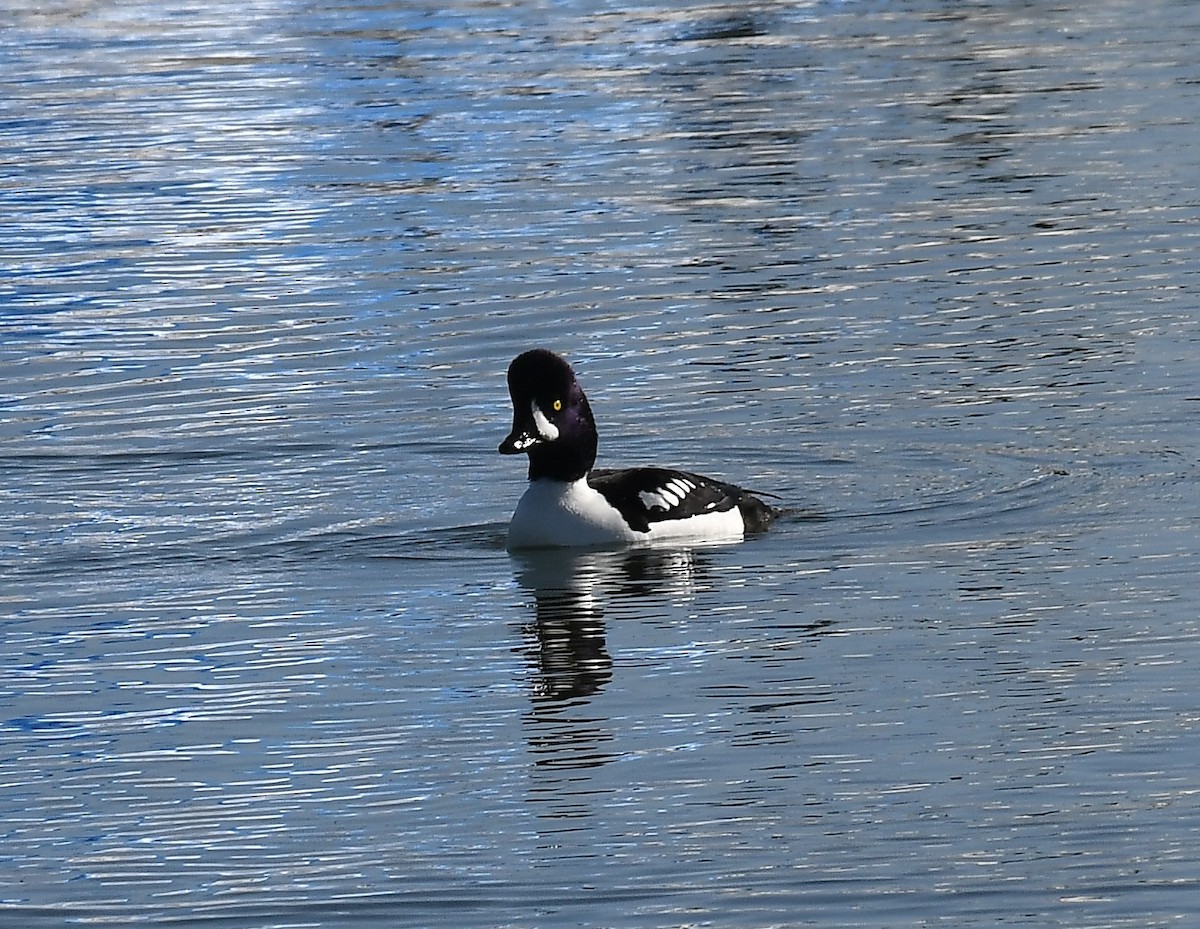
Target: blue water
{"points": [[927, 271]]}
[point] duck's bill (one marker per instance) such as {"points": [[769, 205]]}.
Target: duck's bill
{"points": [[520, 440]]}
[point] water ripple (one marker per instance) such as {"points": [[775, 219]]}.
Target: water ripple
{"points": [[925, 272]]}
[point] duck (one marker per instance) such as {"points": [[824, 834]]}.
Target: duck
{"points": [[571, 504]]}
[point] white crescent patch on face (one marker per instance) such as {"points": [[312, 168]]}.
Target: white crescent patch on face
{"points": [[547, 431]]}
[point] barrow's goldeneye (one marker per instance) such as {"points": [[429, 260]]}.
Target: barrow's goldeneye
{"points": [[568, 504]]}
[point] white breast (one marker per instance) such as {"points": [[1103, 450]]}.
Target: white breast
{"points": [[556, 514]]}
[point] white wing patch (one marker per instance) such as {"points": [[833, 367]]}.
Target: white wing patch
{"points": [[667, 497]]}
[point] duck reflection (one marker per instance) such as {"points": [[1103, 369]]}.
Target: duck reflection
{"points": [[571, 590], [572, 659], [566, 638]]}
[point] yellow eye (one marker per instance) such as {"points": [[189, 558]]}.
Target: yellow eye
{"points": [[557, 405]]}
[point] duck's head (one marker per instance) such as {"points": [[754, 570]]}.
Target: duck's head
{"points": [[552, 421]]}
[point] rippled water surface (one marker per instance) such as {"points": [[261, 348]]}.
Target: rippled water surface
{"points": [[926, 270]]}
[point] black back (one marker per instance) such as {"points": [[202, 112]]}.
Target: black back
{"points": [[673, 494]]}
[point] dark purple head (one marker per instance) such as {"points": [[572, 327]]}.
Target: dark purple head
{"points": [[552, 421]]}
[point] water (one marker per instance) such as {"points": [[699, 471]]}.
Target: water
{"points": [[928, 271]]}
